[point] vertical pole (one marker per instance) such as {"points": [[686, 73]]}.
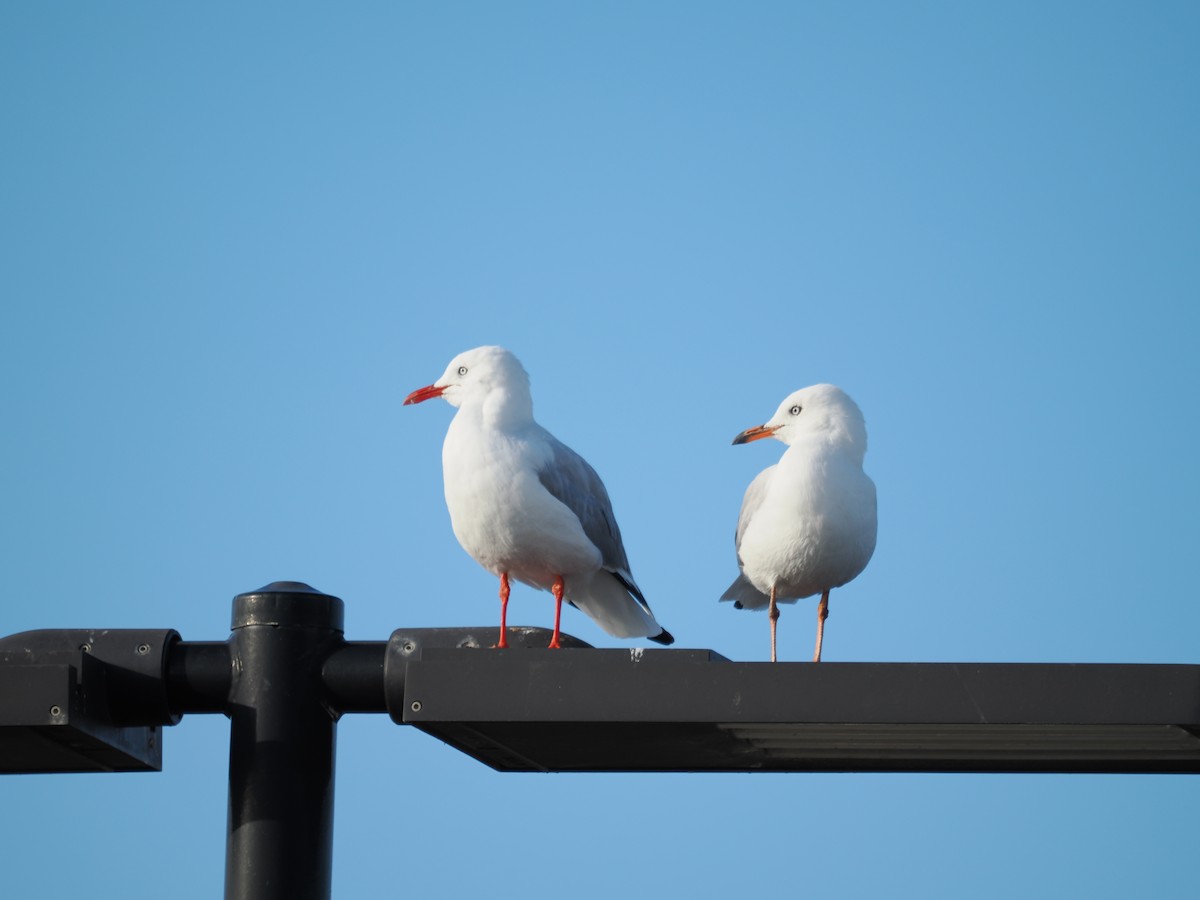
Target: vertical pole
{"points": [[281, 747]]}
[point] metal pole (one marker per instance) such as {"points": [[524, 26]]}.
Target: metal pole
{"points": [[281, 748]]}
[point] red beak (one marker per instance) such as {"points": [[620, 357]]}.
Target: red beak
{"points": [[422, 394], [756, 433]]}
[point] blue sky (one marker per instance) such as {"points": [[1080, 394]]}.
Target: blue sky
{"points": [[235, 238]]}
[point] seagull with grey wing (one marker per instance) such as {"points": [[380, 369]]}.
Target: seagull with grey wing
{"points": [[525, 506], [808, 523]]}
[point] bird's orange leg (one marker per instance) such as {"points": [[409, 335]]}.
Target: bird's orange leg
{"points": [[557, 589], [503, 642], [773, 614], [822, 615]]}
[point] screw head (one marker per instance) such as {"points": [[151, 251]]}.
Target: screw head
{"points": [[56, 710], [416, 706], [143, 649]]}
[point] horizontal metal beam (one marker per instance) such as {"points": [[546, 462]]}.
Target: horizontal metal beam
{"points": [[679, 710], [96, 700]]}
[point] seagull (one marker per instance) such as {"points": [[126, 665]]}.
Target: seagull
{"points": [[526, 506], [808, 523]]}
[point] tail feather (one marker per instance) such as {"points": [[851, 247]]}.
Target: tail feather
{"points": [[606, 600], [745, 595]]}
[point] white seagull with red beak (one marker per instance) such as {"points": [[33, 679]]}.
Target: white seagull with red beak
{"points": [[525, 505], [807, 523]]}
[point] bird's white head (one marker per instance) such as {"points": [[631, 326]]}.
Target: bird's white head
{"points": [[822, 412], [474, 375]]}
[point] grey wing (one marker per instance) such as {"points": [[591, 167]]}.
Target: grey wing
{"points": [[744, 594], [575, 484], [755, 494]]}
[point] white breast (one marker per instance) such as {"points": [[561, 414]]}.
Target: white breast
{"points": [[815, 528]]}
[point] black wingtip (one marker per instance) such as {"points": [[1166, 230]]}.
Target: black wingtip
{"points": [[664, 637]]}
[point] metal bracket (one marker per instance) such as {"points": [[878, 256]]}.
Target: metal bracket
{"points": [[84, 700]]}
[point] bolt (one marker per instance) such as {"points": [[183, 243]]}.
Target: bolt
{"points": [[416, 706], [56, 711], [409, 647], [143, 649], [86, 648]]}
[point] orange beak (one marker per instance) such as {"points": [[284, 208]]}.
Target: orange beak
{"points": [[420, 395], [754, 434]]}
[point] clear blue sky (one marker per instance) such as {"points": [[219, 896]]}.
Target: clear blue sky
{"points": [[234, 238]]}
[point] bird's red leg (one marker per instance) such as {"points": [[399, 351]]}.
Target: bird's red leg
{"points": [[558, 599], [503, 642], [773, 614], [822, 615]]}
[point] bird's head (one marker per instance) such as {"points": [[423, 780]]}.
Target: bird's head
{"points": [[473, 374], [822, 410]]}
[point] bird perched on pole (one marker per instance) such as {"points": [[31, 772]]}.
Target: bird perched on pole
{"points": [[808, 523], [525, 506]]}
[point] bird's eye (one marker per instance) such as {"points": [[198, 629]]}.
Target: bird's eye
{"points": [[795, 410], [462, 370]]}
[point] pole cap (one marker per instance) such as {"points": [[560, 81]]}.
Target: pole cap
{"points": [[291, 603]]}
